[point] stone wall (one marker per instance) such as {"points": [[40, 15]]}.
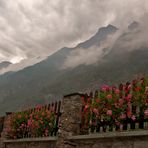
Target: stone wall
{"points": [[138, 139], [30, 144], [131, 139], [69, 133], [128, 142]]}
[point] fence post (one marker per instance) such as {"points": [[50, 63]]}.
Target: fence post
{"points": [[3, 133], [70, 120]]}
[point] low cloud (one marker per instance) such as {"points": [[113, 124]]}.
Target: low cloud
{"points": [[89, 56], [136, 38], [125, 40]]}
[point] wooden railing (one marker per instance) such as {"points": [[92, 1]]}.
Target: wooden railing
{"points": [[1, 124]]}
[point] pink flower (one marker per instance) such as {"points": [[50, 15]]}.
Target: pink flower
{"points": [[29, 122], [109, 96], [146, 112], [128, 97], [117, 91], [86, 106], [129, 86], [116, 105], [121, 102], [90, 122], [46, 132], [122, 116], [95, 110], [38, 107], [146, 88], [109, 112], [22, 125], [133, 117], [105, 88]]}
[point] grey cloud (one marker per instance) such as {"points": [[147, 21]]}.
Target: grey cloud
{"points": [[89, 56], [125, 40], [32, 28], [135, 38]]}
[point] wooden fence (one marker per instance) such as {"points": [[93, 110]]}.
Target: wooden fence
{"points": [[1, 124]]}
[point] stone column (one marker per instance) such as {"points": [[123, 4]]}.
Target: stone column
{"points": [[70, 120]]}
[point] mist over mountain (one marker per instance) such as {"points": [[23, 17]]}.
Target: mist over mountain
{"points": [[110, 56]]}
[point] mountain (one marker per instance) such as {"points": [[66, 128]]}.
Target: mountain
{"points": [[4, 64], [133, 25], [47, 81]]}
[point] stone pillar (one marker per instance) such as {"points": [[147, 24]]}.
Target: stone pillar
{"points": [[70, 120]]}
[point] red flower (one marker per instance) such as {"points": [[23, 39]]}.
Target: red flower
{"points": [[137, 89], [109, 96], [85, 108], [117, 91], [29, 123], [128, 97], [97, 100], [109, 112], [95, 110], [146, 112], [129, 114], [133, 117]]}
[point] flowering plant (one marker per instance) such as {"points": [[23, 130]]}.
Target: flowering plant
{"points": [[37, 123], [114, 106]]}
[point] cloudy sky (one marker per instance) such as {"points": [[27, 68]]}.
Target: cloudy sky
{"points": [[34, 29]]}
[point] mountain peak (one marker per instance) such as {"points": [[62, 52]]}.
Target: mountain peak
{"points": [[133, 25], [4, 64], [109, 28]]}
